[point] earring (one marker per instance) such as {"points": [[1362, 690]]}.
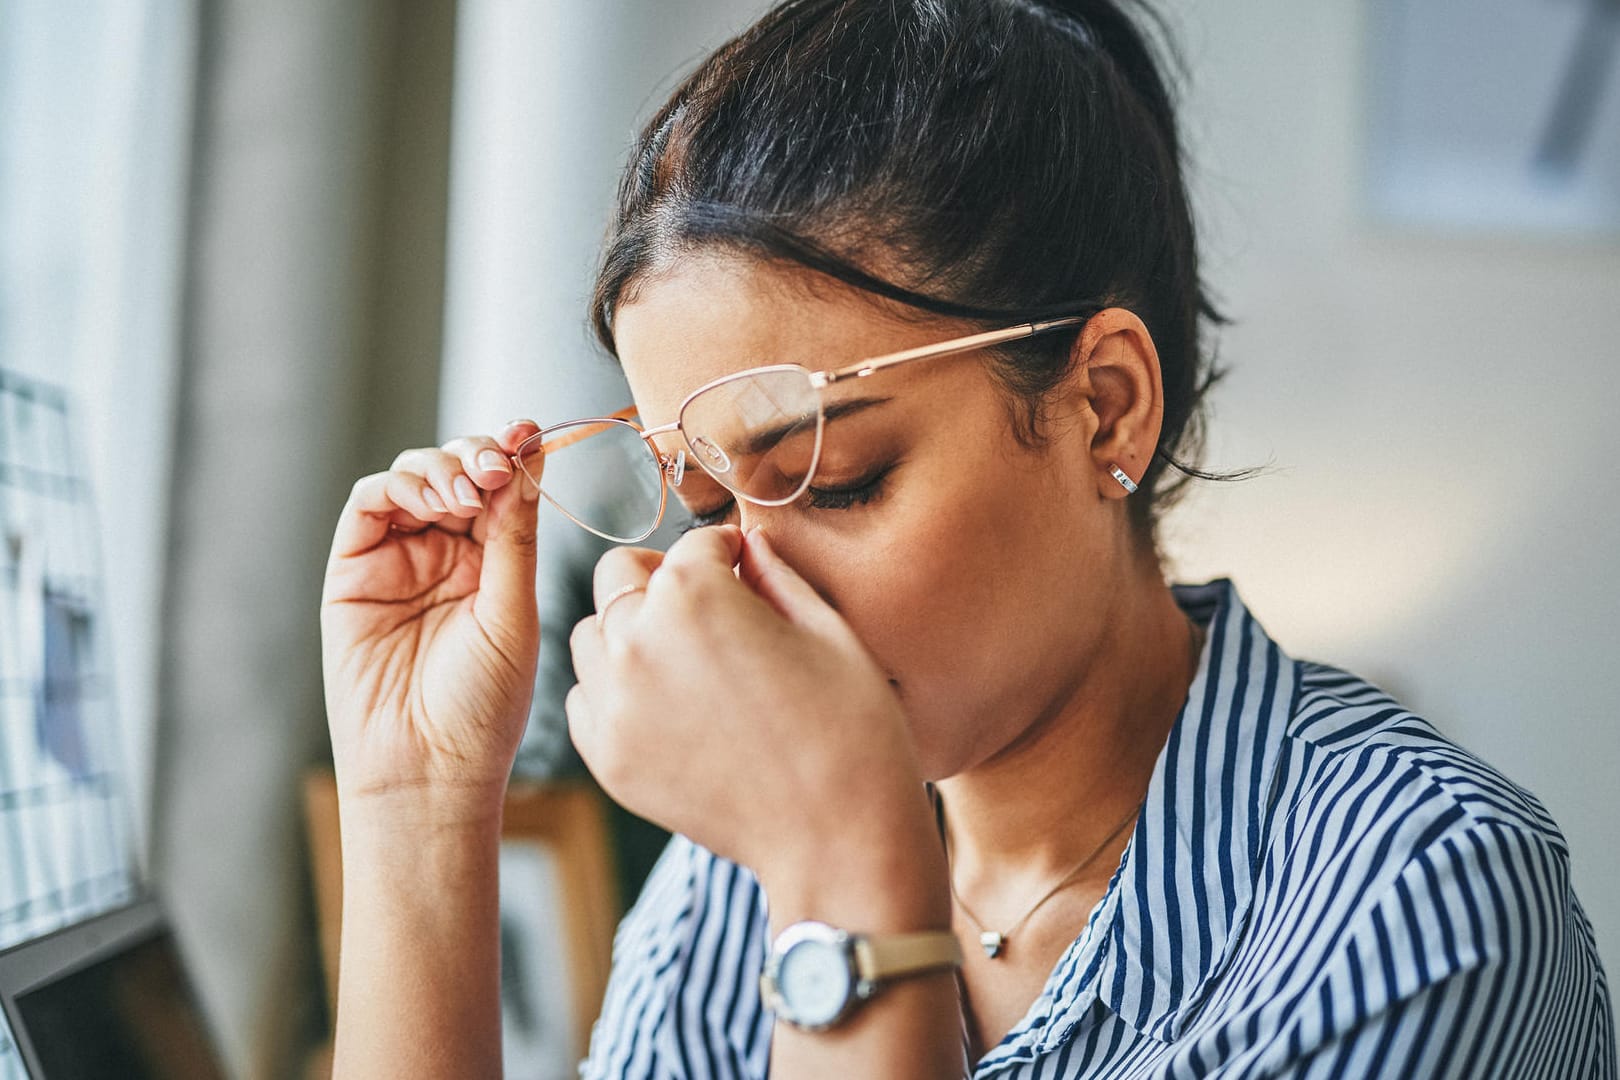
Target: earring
{"points": [[1124, 481]]}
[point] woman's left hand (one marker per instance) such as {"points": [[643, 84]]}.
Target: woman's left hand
{"points": [[739, 709]]}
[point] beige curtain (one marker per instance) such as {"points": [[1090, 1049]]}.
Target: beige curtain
{"points": [[312, 336]]}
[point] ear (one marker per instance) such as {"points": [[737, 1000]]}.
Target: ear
{"points": [[1116, 374]]}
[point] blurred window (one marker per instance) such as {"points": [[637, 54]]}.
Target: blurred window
{"points": [[95, 125]]}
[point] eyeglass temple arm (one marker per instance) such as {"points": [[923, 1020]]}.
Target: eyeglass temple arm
{"points": [[675, 465], [864, 368], [581, 433], [966, 344]]}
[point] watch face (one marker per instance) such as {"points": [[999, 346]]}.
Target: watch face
{"points": [[815, 981]]}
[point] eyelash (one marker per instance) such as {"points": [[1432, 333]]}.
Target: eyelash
{"points": [[858, 494]]}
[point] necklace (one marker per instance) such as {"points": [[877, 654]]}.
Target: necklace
{"points": [[994, 941]]}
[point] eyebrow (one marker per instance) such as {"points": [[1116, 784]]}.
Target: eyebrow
{"points": [[768, 438]]}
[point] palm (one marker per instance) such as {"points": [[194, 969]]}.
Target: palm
{"points": [[425, 684]]}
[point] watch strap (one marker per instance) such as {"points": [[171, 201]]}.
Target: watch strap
{"points": [[881, 957]]}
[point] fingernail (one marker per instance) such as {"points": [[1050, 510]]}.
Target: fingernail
{"points": [[466, 494], [435, 503], [510, 424], [493, 461]]}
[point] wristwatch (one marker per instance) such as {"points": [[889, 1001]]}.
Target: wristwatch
{"points": [[817, 974]]}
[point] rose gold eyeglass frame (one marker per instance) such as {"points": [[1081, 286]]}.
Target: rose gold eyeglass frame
{"points": [[672, 468]]}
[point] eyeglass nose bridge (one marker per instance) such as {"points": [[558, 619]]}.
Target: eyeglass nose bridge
{"points": [[673, 468]]}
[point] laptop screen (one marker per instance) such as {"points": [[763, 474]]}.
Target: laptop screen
{"points": [[131, 1014]]}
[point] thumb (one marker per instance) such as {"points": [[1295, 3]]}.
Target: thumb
{"points": [[794, 598], [506, 603]]}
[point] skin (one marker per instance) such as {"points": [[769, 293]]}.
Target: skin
{"points": [[987, 621]]}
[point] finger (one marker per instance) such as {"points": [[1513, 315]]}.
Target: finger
{"points": [[794, 598], [621, 566], [705, 552], [585, 647], [444, 471], [365, 519], [515, 432], [506, 605], [389, 501], [581, 726], [482, 459], [619, 571], [520, 440]]}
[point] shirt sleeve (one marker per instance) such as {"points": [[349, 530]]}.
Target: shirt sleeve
{"points": [[1478, 962], [683, 997]]}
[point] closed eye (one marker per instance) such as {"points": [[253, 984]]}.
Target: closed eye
{"points": [[842, 497]]}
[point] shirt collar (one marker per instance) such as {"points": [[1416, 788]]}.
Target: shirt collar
{"points": [[1180, 898]]}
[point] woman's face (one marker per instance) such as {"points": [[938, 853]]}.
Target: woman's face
{"points": [[978, 572]]}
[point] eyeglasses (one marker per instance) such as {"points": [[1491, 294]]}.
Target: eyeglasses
{"points": [[759, 433]]}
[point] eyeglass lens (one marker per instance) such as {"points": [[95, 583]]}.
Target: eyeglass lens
{"points": [[758, 434], [600, 473]]}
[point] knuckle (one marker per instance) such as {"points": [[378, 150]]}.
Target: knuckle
{"points": [[613, 560], [581, 629], [426, 462], [398, 482], [605, 767], [578, 729], [436, 462], [680, 575], [405, 459], [467, 448], [627, 647]]}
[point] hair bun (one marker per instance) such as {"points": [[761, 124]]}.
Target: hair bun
{"points": [[1109, 27]]}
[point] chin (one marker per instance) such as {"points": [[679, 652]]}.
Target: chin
{"points": [[943, 728], [940, 757]]}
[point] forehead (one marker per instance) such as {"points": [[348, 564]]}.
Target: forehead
{"points": [[710, 315]]}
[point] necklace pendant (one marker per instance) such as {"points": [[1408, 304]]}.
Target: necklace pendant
{"points": [[992, 943]]}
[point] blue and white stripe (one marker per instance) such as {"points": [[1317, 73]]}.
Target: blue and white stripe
{"points": [[1320, 884]]}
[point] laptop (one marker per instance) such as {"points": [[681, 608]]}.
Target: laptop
{"points": [[107, 998]]}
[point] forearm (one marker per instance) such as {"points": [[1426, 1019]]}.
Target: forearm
{"points": [[913, 1027], [419, 971]]}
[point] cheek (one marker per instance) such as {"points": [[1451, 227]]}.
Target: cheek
{"points": [[972, 603], [948, 563]]}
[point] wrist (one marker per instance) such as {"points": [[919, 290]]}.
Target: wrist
{"points": [[421, 809], [404, 836], [893, 880]]}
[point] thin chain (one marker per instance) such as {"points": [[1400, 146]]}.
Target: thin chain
{"points": [[1196, 647], [1007, 934]]}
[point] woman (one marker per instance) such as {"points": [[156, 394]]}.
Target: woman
{"points": [[947, 759]]}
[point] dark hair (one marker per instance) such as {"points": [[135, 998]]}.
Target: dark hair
{"points": [[1013, 159]]}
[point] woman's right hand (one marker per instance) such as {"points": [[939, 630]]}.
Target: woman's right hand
{"points": [[430, 631]]}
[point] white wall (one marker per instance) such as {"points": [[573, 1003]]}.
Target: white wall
{"points": [[1446, 501]]}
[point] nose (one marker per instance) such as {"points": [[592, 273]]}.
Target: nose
{"points": [[749, 515], [807, 558]]}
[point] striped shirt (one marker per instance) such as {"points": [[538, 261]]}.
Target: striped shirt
{"points": [[1319, 884]]}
